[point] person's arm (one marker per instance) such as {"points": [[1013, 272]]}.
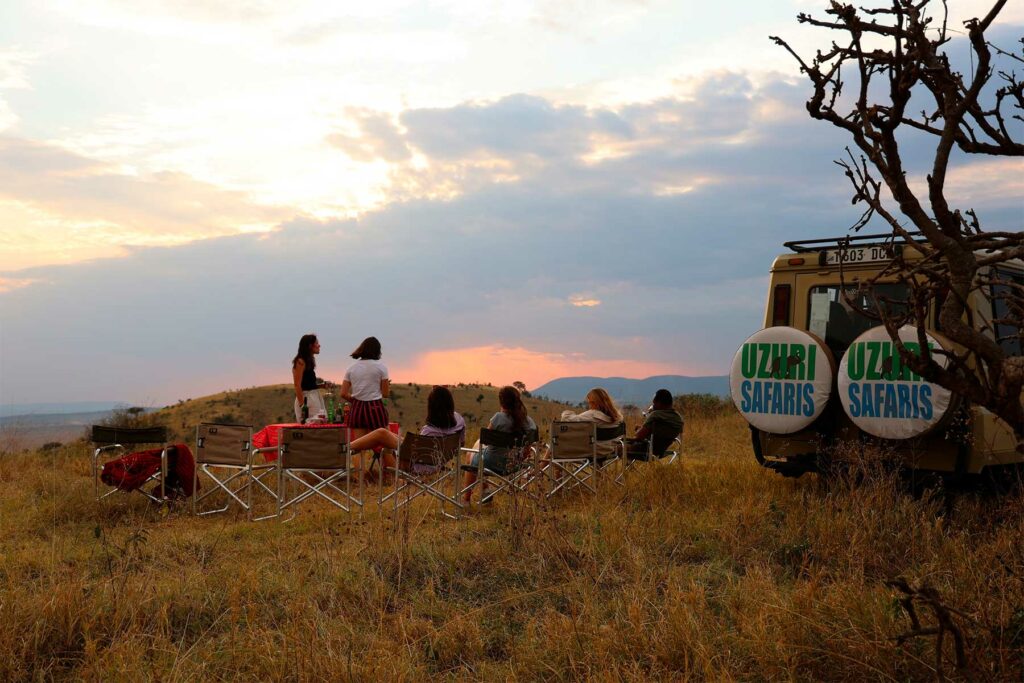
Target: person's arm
{"points": [[385, 387], [297, 370], [645, 430], [346, 390]]}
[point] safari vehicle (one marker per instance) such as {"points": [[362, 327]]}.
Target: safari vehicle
{"points": [[822, 374]]}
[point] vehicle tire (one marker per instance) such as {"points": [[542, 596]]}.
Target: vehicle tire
{"points": [[755, 441]]}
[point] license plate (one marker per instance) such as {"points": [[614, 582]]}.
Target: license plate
{"points": [[858, 255]]}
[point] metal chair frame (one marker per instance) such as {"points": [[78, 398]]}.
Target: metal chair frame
{"points": [[224, 447], [303, 454], [440, 452], [114, 440], [580, 463], [519, 479]]}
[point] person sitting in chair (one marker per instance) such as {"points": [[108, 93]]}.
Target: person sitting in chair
{"points": [[602, 410], [660, 428], [442, 420], [512, 418]]}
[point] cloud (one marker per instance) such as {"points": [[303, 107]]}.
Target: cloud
{"points": [[475, 269], [56, 205], [580, 300], [377, 137]]}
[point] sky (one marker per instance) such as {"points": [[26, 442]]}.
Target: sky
{"points": [[498, 191]]}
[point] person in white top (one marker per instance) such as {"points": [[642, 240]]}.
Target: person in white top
{"points": [[366, 387]]}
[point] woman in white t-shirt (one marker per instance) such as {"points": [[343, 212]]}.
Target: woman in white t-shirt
{"points": [[366, 387]]}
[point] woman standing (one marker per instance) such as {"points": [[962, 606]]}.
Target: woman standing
{"points": [[304, 377], [366, 387]]}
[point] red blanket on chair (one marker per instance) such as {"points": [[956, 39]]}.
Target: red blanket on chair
{"points": [[131, 471]]}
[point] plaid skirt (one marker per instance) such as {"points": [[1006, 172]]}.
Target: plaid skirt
{"points": [[367, 414]]}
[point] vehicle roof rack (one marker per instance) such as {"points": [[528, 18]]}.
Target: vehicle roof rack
{"points": [[803, 246]]}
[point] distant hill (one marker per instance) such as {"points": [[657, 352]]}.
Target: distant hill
{"points": [[260, 406], [635, 391], [22, 409]]}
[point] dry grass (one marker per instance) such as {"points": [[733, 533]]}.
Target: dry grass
{"points": [[713, 569]]}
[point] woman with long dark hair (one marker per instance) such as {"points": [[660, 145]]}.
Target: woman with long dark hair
{"points": [[442, 420], [512, 418], [304, 377], [367, 387]]}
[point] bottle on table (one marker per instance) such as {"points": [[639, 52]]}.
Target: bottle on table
{"points": [[344, 413], [330, 407], [305, 410]]}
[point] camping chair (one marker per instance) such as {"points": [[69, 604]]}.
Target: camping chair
{"points": [[517, 474], [573, 452], [615, 434], [425, 465], [111, 441], [316, 460], [669, 456], [223, 455]]}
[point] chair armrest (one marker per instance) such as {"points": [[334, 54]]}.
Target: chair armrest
{"points": [[260, 451], [469, 450]]}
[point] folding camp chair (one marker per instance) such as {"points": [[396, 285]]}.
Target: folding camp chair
{"points": [[223, 455], [669, 456], [425, 466], [112, 441], [573, 452], [516, 476], [317, 461], [615, 435]]}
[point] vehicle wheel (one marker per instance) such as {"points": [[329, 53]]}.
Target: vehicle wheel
{"points": [[755, 441]]}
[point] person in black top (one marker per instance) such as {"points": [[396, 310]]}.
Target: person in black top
{"points": [[304, 377], [661, 426]]}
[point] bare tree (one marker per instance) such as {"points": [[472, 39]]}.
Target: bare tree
{"points": [[905, 85]]}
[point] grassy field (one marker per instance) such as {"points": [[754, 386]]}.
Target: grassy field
{"points": [[709, 569]]}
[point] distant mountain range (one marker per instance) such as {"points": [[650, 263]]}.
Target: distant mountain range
{"points": [[635, 391], [21, 409]]}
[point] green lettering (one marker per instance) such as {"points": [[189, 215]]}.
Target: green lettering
{"points": [[855, 362], [873, 374]]}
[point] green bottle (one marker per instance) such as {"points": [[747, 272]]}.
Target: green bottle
{"points": [[330, 408], [305, 410]]}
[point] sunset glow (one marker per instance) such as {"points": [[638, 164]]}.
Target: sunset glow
{"points": [[501, 365]]}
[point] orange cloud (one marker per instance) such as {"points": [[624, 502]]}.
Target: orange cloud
{"points": [[503, 365]]}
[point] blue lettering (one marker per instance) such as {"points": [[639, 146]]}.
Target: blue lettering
{"points": [[926, 401], [890, 401], [745, 394], [789, 392], [904, 397], [756, 403], [808, 400], [867, 406], [854, 393]]}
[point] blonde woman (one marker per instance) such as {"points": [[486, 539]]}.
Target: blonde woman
{"points": [[602, 410]]}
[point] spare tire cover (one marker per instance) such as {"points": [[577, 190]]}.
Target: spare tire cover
{"points": [[781, 379], [881, 395]]}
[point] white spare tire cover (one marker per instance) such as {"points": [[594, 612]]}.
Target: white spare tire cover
{"points": [[781, 379], [881, 395]]}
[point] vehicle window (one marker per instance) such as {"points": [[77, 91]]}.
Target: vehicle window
{"points": [[1007, 332], [839, 322]]}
